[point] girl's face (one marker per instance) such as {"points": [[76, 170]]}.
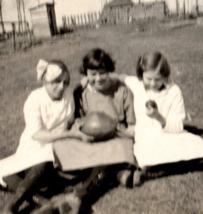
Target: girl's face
{"points": [[56, 88], [98, 79], [153, 80]]}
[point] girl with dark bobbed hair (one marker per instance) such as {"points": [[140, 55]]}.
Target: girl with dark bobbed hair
{"points": [[97, 59], [160, 112], [111, 97]]}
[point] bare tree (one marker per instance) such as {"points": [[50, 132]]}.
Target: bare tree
{"points": [[197, 7], [24, 15], [1, 18], [18, 4], [184, 9], [177, 7]]}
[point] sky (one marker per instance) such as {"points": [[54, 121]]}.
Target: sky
{"points": [[71, 7]]}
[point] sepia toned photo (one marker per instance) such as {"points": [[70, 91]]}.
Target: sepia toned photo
{"points": [[101, 106]]}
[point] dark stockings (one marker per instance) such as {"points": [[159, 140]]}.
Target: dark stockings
{"points": [[25, 184]]}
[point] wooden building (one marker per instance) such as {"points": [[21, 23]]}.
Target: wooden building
{"points": [[154, 10], [43, 20], [119, 11]]}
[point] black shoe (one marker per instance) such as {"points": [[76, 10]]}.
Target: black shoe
{"points": [[125, 178]]}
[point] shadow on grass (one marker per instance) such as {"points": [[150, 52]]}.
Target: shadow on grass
{"points": [[94, 192], [176, 168], [154, 172], [193, 129]]}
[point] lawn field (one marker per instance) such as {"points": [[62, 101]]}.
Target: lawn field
{"points": [[177, 194]]}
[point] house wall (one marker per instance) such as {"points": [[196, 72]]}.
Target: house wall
{"points": [[43, 21], [123, 14]]}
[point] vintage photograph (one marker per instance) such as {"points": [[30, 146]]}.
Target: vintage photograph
{"points": [[101, 107]]}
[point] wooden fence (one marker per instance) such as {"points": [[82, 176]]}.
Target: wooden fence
{"points": [[86, 20], [17, 34]]}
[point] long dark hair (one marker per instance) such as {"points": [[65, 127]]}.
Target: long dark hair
{"points": [[152, 61]]}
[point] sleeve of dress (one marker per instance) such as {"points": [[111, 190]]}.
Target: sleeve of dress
{"points": [[32, 114], [77, 93], [72, 114], [176, 112], [131, 82], [128, 107]]}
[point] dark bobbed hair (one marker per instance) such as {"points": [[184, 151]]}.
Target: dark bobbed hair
{"points": [[152, 61], [61, 65], [97, 59]]}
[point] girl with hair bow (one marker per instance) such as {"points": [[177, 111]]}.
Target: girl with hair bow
{"points": [[49, 115]]}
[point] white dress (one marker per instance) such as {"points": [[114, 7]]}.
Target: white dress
{"points": [[40, 111], [154, 145]]}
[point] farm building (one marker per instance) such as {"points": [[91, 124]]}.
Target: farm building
{"points": [[148, 10], [122, 11], [43, 20], [117, 11]]}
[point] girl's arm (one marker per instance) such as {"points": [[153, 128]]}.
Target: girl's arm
{"points": [[120, 77], [130, 81], [36, 128], [129, 116], [48, 137], [126, 132], [176, 111], [173, 122], [153, 112]]}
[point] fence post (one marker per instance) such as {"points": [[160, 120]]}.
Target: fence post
{"points": [[99, 17], [92, 18], [85, 19], [29, 34], [81, 19], [78, 18], [74, 18], [89, 20], [13, 36], [64, 23], [68, 23], [95, 17]]}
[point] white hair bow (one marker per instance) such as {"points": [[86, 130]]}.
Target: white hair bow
{"points": [[52, 71]]}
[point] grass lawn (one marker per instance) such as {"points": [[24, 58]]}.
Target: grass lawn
{"points": [[184, 49]]}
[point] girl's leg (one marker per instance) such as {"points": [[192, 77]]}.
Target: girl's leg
{"points": [[138, 176], [34, 176], [123, 173], [12, 181], [70, 201]]}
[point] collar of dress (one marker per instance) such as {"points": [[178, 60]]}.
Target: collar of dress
{"points": [[49, 98], [152, 95]]}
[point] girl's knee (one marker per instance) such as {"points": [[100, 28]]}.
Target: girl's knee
{"points": [[41, 168]]}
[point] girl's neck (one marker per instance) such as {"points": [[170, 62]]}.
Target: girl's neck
{"points": [[156, 90]]}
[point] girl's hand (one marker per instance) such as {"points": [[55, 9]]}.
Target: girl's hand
{"points": [[84, 82], [76, 131], [124, 132], [153, 112]]}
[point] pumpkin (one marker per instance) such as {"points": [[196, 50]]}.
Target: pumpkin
{"points": [[99, 125]]}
